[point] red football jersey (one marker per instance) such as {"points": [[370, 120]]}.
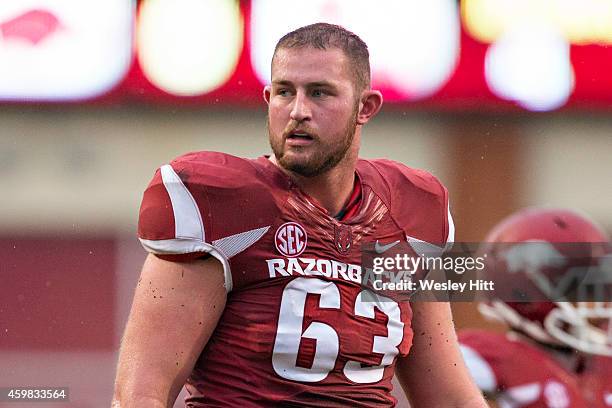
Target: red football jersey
{"points": [[518, 374], [296, 329], [596, 381]]}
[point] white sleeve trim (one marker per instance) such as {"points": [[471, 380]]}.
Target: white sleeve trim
{"points": [[185, 246], [234, 244], [450, 239], [481, 371], [187, 218]]}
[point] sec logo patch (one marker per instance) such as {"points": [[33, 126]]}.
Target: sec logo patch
{"points": [[291, 239]]}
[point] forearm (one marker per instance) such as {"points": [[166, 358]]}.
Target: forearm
{"points": [[139, 385], [120, 401], [467, 397], [150, 372], [472, 402], [434, 373]]}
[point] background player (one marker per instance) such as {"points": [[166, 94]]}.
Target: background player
{"points": [[277, 315], [555, 354]]}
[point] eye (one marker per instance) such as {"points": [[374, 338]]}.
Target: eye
{"points": [[318, 93], [283, 92]]}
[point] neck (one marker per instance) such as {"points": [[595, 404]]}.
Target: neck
{"points": [[331, 189]]}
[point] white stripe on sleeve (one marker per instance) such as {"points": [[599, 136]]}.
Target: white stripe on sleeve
{"points": [[187, 219]]}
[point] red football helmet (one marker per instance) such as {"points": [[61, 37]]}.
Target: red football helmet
{"points": [[532, 253]]}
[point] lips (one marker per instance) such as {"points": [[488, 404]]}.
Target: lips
{"points": [[299, 138], [32, 26]]}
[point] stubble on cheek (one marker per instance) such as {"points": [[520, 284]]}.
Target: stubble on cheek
{"points": [[276, 141]]}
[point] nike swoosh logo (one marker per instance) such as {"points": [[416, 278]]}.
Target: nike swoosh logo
{"points": [[382, 248]]}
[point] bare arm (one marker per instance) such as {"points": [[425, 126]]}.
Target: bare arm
{"points": [[433, 375], [175, 309]]}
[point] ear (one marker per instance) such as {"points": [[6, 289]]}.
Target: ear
{"points": [[266, 93], [369, 104]]}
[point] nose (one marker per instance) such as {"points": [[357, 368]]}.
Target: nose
{"points": [[300, 111]]}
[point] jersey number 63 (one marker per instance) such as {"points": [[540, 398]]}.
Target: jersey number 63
{"points": [[289, 333]]}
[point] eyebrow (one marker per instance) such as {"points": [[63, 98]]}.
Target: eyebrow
{"points": [[309, 84]]}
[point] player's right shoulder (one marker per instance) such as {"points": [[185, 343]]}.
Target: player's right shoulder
{"points": [[212, 169], [198, 200]]}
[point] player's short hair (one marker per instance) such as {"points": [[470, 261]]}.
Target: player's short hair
{"points": [[324, 36]]}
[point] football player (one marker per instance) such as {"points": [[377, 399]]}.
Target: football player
{"points": [[251, 295], [553, 349]]}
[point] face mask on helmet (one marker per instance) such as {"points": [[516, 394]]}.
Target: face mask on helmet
{"points": [[537, 257]]}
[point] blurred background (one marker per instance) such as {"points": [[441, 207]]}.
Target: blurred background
{"points": [[508, 103]]}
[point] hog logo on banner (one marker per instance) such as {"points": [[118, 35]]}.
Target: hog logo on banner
{"points": [[291, 239], [54, 50], [32, 26]]}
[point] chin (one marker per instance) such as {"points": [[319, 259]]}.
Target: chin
{"points": [[291, 163], [302, 166], [296, 157]]}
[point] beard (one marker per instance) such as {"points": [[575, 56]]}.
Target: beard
{"points": [[323, 156]]}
